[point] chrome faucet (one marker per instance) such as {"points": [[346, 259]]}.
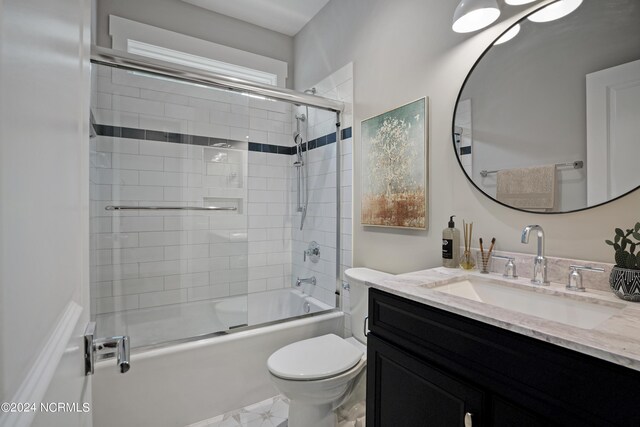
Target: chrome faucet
{"points": [[311, 280], [540, 262]]}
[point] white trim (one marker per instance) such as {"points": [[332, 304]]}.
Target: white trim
{"points": [[602, 87], [199, 62], [37, 381], [122, 30]]}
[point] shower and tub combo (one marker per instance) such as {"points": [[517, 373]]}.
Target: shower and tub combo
{"points": [[193, 215]]}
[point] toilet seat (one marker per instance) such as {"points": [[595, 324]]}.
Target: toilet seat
{"points": [[314, 359]]}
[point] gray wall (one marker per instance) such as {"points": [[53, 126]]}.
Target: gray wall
{"points": [[403, 50], [181, 17]]}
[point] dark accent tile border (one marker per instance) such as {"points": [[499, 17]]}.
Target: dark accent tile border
{"points": [[465, 150], [181, 138], [176, 138]]}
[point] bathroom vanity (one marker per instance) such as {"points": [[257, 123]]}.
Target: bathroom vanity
{"points": [[442, 352]]}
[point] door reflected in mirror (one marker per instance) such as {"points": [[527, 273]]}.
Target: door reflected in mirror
{"points": [[549, 120]]}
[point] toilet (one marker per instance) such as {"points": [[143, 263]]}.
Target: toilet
{"points": [[318, 374]]}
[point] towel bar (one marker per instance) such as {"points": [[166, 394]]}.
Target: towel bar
{"points": [[578, 164], [168, 208]]}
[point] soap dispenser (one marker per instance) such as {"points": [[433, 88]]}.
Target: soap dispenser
{"points": [[450, 245]]}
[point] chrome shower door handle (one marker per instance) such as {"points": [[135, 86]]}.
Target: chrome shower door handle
{"points": [[118, 345]]}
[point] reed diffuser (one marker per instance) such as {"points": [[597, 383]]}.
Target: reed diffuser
{"points": [[466, 260]]}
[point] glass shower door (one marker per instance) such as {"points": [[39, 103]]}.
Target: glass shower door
{"points": [[168, 191]]}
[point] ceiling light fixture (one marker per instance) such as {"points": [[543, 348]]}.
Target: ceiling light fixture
{"points": [[473, 15], [508, 35], [555, 11]]}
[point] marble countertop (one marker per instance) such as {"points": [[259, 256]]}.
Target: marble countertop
{"points": [[616, 340]]}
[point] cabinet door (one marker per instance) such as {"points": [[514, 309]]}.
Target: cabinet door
{"points": [[406, 392], [507, 414]]}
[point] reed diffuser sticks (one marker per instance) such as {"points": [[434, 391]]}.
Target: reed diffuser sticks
{"points": [[467, 262]]}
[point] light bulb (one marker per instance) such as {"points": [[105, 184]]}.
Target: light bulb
{"points": [[555, 11], [508, 35]]}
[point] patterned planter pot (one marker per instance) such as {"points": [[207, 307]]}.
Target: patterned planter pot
{"points": [[625, 283]]}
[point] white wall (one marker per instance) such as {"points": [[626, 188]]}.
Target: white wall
{"points": [[182, 17], [405, 49], [44, 275]]}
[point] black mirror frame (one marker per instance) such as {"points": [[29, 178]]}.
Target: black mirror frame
{"points": [[453, 133]]}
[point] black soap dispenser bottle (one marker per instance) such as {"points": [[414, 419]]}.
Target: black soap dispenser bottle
{"points": [[450, 245]]}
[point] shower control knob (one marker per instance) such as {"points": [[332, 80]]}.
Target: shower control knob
{"points": [[313, 252]]}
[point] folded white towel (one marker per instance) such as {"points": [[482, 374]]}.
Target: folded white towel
{"points": [[531, 188]]}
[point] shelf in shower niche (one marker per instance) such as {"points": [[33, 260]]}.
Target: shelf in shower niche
{"points": [[235, 204]]}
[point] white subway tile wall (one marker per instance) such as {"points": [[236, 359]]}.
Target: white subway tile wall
{"points": [[132, 99], [145, 259], [320, 223]]}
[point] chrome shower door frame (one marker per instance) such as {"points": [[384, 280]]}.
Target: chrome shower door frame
{"points": [[127, 61]]}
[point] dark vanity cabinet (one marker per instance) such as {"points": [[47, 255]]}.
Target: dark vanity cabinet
{"points": [[429, 367]]}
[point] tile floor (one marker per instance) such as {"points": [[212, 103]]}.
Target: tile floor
{"points": [[272, 412]]}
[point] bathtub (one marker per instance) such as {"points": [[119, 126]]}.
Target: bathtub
{"points": [[182, 383], [157, 325]]}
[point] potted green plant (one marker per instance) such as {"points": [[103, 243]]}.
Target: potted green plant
{"points": [[625, 276]]}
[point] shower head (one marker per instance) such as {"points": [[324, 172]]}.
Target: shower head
{"points": [[301, 117]]}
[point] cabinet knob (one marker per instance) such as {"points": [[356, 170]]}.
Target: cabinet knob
{"points": [[468, 419]]}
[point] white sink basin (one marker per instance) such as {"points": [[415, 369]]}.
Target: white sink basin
{"points": [[573, 312]]}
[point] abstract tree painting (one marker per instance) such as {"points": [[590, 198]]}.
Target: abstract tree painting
{"points": [[394, 167]]}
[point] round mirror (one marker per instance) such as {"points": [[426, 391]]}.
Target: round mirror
{"points": [[548, 119]]}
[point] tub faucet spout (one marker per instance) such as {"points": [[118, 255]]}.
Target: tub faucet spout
{"points": [[311, 280], [540, 262]]}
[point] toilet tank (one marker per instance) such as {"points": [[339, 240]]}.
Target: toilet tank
{"points": [[358, 298]]}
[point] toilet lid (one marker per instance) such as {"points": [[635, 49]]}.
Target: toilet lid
{"points": [[314, 358]]}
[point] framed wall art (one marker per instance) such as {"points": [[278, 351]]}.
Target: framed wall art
{"points": [[394, 167]]}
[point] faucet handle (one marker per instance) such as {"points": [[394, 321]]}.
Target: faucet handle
{"points": [[313, 252], [509, 267], [575, 276]]}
